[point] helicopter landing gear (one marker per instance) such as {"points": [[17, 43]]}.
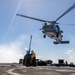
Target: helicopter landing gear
{"points": [[44, 36], [57, 35]]}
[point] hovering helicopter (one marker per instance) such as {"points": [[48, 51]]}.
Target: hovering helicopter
{"points": [[51, 28]]}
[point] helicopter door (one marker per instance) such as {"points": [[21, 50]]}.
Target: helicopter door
{"points": [[53, 28]]}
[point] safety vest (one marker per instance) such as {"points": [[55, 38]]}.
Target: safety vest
{"points": [[33, 55]]}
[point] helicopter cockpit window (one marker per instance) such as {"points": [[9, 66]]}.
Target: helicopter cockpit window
{"points": [[45, 24], [58, 28], [52, 26]]}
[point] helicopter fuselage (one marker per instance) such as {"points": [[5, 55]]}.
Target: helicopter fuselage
{"points": [[51, 30]]}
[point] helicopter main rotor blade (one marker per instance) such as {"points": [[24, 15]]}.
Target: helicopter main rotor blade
{"points": [[32, 18], [73, 6], [67, 24]]}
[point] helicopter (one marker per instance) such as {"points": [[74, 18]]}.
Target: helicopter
{"points": [[51, 28]]}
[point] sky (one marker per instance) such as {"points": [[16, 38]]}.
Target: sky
{"points": [[15, 31]]}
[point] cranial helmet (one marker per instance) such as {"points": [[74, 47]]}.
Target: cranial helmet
{"points": [[32, 51]]}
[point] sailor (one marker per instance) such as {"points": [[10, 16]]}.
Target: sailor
{"points": [[33, 58]]}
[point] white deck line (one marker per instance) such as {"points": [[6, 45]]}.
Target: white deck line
{"points": [[66, 70], [10, 72]]}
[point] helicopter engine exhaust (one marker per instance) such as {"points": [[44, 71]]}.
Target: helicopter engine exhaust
{"points": [[61, 42]]}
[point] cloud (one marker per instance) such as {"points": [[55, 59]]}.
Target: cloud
{"points": [[70, 54], [13, 51], [10, 53], [26, 48]]}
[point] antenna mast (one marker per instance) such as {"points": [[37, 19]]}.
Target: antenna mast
{"points": [[30, 43]]}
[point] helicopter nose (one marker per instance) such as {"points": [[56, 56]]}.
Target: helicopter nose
{"points": [[61, 31], [40, 28], [43, 31]]}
